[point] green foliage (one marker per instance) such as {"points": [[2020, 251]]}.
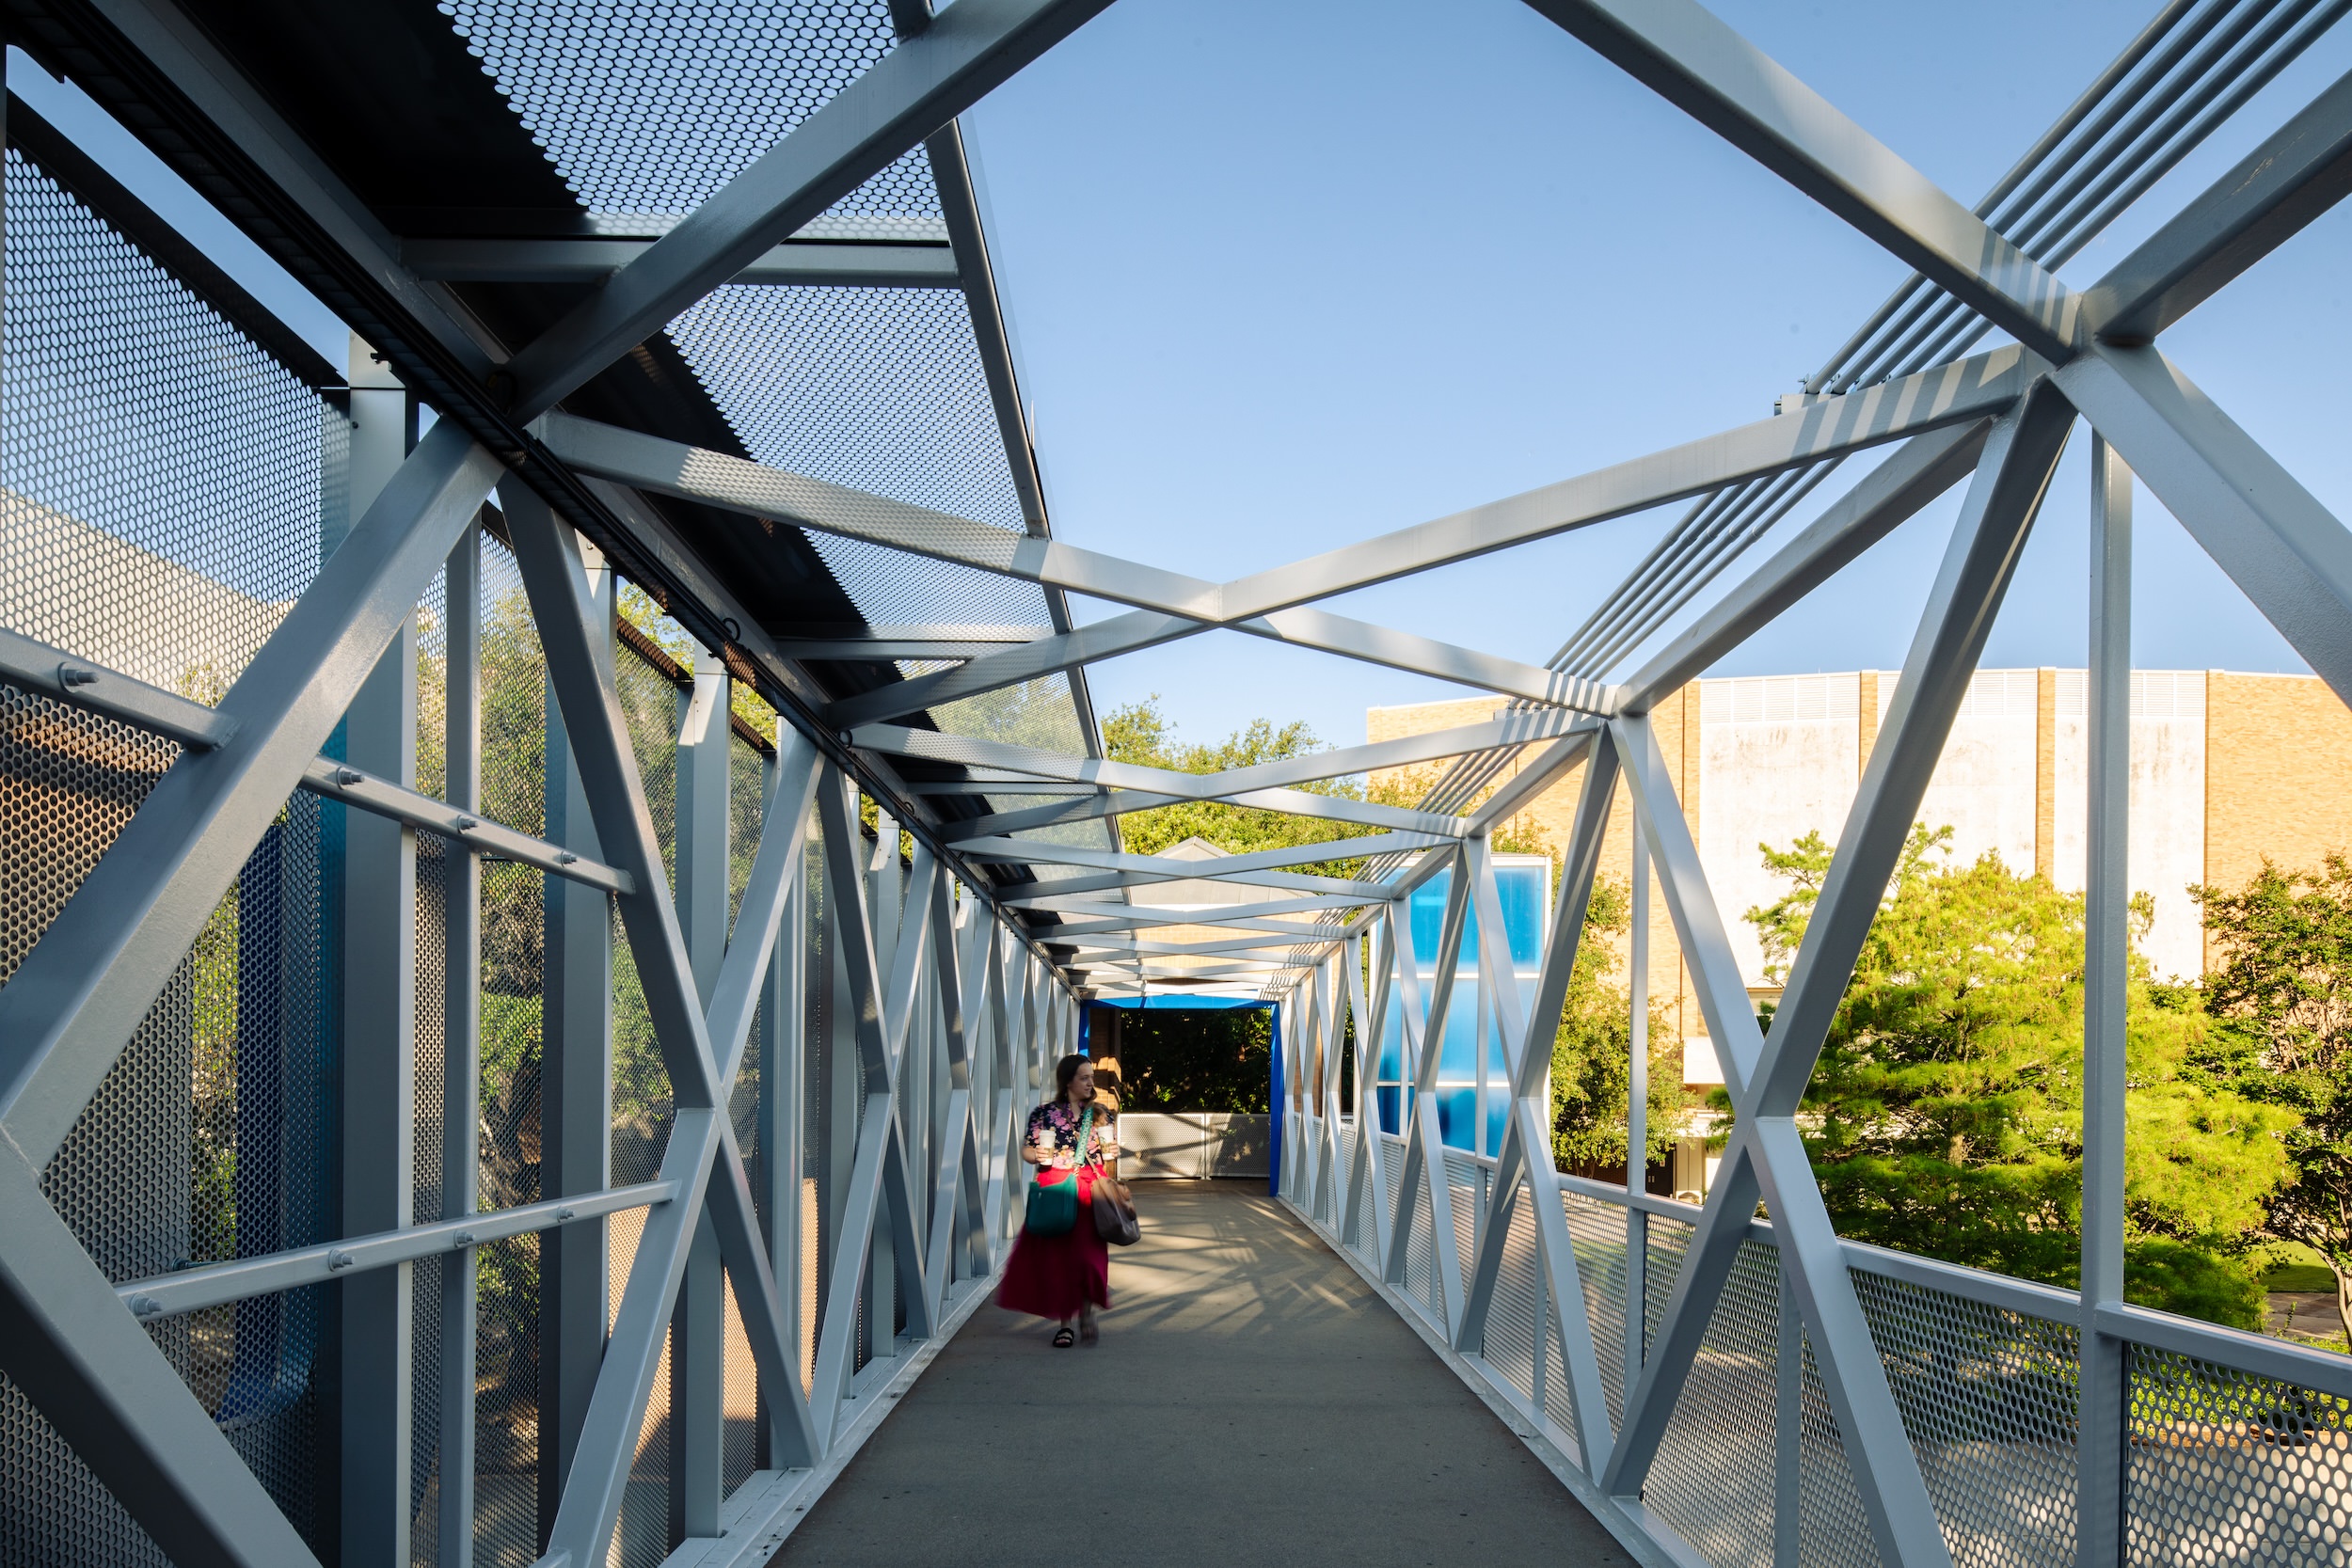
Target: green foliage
{"points": [[2283, 1001], [1141, 733], [1591, 1052], [1195, 1059], [1946, 1115]]}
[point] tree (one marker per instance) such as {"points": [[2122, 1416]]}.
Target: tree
{"points": [[2283, 1001], [1946, 1115], [1141, 733], [1592, 1052]]}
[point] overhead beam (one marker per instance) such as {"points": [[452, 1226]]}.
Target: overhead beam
{"points": [[1959, 393], [1170, 866], [796, 265], [2300, 171], [1118, 803], [1890, 495], [2284, 550], [1508, 729], [1682, 52]]}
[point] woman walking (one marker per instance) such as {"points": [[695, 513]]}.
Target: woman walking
{"points": [[1067, 1275]]}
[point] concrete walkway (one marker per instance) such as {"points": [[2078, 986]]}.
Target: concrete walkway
{"points": [[1251, 1402]]}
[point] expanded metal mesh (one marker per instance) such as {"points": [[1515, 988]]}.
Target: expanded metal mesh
{"points": [[507, 1141], [1833, 1531], [1988, 1397], [160, 482], [1513, 1321], [1597, 1231], [1712, 1479], [880, 389], [649, 106], [163, 484], [2228, 1467]]}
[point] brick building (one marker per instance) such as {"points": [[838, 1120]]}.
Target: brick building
{"points": [[2226, 767]]}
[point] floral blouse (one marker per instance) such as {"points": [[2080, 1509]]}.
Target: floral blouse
{"points": [[1058, 1118]]}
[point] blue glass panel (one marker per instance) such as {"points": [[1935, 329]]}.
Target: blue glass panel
{"points": [[1456, 1054], [1428, 910], [1453, 1116], [1520, 889], [1389, 1097], [1498, 1109]]}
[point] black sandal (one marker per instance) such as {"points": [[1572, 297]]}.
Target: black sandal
{"points": [[1063, 1339]]}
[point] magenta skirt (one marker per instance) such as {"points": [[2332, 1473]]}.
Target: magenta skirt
{"points": [[1052, 1276]]}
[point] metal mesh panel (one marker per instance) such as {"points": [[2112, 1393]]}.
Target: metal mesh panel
{"points": [[641, 1539], [880, 389], [432, 1058], [1987, 1398], [1832, 1529], [1668, 1241], [1597, 1231], [1465, 1184], [160, 482], [506, 1291], [506, 1402], [648, 106], [1513, 1331], [2228, 1467], [1712, 1479], [161, 499]]}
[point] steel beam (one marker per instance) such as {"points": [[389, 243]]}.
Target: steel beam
{"points": [[797, 265], [2284, 550], [2298, 173], [1959, 393], [1507, 729], [918, 87], [1889, 496], [1687, 57]]}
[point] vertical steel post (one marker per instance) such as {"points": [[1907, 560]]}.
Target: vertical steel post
{"points": [[377, 977], [698, 1320], [2099, 1433], [783, 1017], [885, 892], [461, 1043], [575, 1101], [1637, 1117]]}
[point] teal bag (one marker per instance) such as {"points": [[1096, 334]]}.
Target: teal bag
{"points": [[1052, 1208]]}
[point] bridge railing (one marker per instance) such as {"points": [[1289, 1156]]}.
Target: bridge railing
{"points": [[2234, 1448]]}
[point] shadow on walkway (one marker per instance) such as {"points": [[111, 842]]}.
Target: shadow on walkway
{"points": [[1251, 1402]]}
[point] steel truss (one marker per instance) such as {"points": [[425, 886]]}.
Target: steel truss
{"points": [[955, 1005]]}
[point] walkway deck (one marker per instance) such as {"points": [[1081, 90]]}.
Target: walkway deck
{"points": [[1251, 1402]]}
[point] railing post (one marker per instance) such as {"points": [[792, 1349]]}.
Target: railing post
{"points": [[575, 1100], [1637, 1118], [790, 1211], [2099, 1446], [376, 963], [698, 1320], [461, 1041]]}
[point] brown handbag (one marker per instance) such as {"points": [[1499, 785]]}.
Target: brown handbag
{"points": [[1115, 1212]]}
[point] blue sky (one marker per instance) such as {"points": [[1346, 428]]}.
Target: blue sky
{"points": [[1284, 276]]}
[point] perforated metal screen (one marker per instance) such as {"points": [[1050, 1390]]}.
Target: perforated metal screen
{"points": [[162, 491]]}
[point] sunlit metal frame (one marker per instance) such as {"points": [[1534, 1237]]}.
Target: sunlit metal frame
{"points": [[944, 970]]}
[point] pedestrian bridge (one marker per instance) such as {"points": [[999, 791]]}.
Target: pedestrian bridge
{"points": [[555, 828]]}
